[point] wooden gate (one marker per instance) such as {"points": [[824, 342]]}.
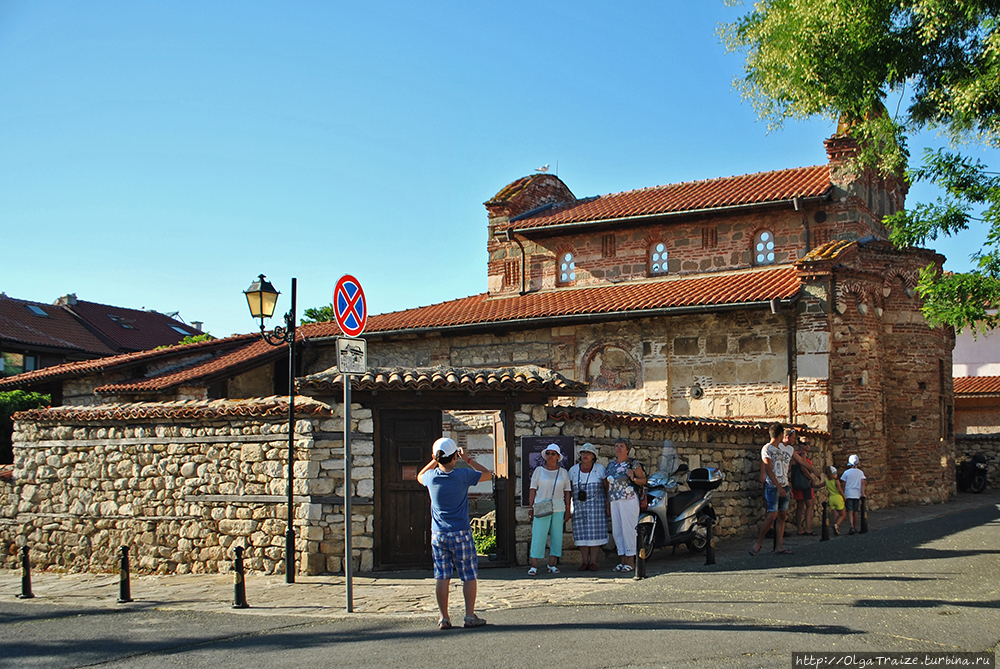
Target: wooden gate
{"points": [[405, 443]]}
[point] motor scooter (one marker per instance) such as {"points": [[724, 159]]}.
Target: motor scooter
{"points": [[970, 474], [676, 517]]}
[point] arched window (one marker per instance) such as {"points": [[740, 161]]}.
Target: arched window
{"points": [[763, 247], [657, 258], [567, 267]]}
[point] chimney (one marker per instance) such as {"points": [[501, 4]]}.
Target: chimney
{"points": [[197, 325], [66, 300]]}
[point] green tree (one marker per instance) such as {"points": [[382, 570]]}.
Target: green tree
{"points": [[845, 59], [318, 314], [189, 339], [10, 403]]}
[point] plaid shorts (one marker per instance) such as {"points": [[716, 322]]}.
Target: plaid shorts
{"points": [[454, 550]]}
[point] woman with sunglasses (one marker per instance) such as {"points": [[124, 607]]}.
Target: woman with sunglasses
{"points": [[590, 516], [549, 485], [624, 476]]}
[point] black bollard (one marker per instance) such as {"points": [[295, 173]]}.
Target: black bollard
{"points": [[709, 546], [824, 534], [240, 599], [25, 575], [124, 586], [864, 516]]}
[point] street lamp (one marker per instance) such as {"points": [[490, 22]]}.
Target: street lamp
{"points": [[262, 299]]}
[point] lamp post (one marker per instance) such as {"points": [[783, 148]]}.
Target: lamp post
{"points": [[262, 299]]}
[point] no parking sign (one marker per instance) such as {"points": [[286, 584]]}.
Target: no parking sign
{"points": [[350, 306]]}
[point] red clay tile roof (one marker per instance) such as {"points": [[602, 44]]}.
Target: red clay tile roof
{"points": [[724, 288], [828, 251], [977, 385], [264, 407], [131, 329], [248, 354], [520, 378], [58, 329], [588, 414], [115, 362], [747, 189]]}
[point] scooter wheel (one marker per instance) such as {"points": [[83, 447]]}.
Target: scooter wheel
{"points": [[978, 483], [699, 542]]}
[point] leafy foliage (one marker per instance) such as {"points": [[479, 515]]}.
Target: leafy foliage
{"points": [[190, 339], [318, 315], [10, 403], [485, 543], [843, 59]]}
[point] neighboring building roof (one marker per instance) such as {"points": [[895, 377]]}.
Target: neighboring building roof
{"points": [[977, 385], [130, 329], [727, 192], [246, 355], [639, 420], [34, 324], [713, 290], [263, 407], [524, 378], [123, 361]]}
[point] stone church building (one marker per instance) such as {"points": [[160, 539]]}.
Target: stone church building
{"points": [[684, 316]]}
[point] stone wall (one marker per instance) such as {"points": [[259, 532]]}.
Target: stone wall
{"points": [[184, 483], [988, 444]]}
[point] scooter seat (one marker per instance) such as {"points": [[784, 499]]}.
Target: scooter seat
{"points": [[681, 501]]}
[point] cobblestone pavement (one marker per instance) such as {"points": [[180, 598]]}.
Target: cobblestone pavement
{"points": [[398, 593]]}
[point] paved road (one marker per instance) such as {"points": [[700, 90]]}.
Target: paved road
{"points": [[930, 582]]}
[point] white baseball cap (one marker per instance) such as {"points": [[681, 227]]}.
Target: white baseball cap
{"points": [[444, 445], [853, 460]]}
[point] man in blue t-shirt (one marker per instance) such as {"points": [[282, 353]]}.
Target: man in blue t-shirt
{"points": [[451, 535]]}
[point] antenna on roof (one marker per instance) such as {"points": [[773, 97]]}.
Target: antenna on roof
{"points": [[543, 169]]}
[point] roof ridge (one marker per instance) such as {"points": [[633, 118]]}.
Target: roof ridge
{"points": [[705, 181]]}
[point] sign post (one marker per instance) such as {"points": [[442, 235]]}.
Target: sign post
{"points": [[351, 310]]}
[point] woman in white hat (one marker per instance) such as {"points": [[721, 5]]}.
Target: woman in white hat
{"points": [[590, 515], [548, 500]]}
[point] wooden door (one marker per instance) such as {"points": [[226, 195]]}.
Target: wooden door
{"points": [[405, 440], [503, 487]]}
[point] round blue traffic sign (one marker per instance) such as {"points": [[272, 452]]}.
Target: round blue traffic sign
{"points": [[350, 306]]}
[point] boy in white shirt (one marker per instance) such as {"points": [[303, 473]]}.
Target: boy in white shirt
{"points": [[855, 486]]}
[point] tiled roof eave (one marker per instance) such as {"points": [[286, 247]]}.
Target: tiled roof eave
{"points": [[543, 229], [590, 414], [564, 319]]}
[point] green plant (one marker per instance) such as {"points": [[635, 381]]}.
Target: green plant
{"points": [[10, 403], [485, 543]]}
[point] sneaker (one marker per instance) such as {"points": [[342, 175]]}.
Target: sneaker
{"points": [[474, 621], [533, 571], [553, 569]]}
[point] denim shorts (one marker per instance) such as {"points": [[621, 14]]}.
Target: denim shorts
{"points": [[776, 503]]}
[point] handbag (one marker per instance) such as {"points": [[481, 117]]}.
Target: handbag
{"points": [[543, 508], [640, 491]]}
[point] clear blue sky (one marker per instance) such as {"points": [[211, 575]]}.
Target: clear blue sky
{"points": [[162, 154]]}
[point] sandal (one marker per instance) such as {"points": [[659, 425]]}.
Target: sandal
{"points": [[753, 552], [784, 551], [593, 566], [583, 567], [533, 571], [553, 569], [620, 567], [474, 621], [836, 530], [809, 534], [626, 568], [444, 624]]}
